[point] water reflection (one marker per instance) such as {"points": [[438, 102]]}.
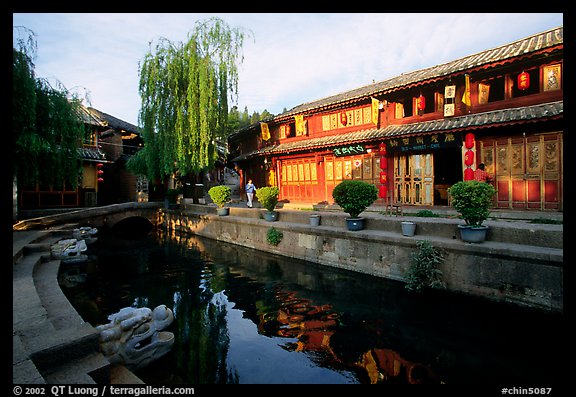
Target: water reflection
{"points": [[244, 316]]}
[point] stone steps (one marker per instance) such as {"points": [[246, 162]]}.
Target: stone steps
{"points": [[51, 342]]}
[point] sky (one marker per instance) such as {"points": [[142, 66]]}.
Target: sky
{"points": [[288, 58]]}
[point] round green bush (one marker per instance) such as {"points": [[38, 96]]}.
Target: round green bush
{"points": [[354, 196], [220, 194], [268, 197], [472, 199]]}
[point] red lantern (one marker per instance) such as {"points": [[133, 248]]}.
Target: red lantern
{"points": [[100, 179], [468, 174], [523, 81], [382, 191], [100, 172], [382, 149], [469, 140], [421, 102], [383, 163], [469, 157], [343, 118], [383, 177], [99, 165]]}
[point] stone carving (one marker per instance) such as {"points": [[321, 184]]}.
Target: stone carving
{"points": [[86, 233], [69, 250], [134, 336]]}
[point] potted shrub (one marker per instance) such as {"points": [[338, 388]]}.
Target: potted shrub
{"points": [[220, 195], [472, 199], [354, 197], [268, 197]]}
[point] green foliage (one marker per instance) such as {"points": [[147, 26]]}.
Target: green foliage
{"points": [[220, 194], [423, 271], [472, 199], [546, 221], [184, 89], [274, 236], [427, 214], [46, 126], [268, 197], [354, 196]]}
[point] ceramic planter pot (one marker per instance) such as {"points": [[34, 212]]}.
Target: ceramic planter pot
{"points": [[314, 220], [471, 234], [222, 211], [354, 224], [271, 216], [408, 228]]}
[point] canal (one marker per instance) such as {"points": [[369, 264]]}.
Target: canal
{"points": [[250, 317]]}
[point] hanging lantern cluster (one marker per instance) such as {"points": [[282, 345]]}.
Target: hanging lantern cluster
{"points": [[100, 172], [523, 81], [469, 156], [383, 188]]}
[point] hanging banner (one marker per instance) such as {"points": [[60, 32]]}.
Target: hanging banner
{"points": [[483, 93], [466, 96], [265, 131], [375, 105], [299, 120]]}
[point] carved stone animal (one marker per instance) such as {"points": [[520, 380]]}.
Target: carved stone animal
{"points": [[134, 336]]}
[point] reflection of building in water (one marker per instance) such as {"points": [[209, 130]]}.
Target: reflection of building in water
{"points": [[384, 365], [314, 325]]}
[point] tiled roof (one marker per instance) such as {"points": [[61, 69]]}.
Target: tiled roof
{"points": [[114, 122], [477, 120], [92, 154], [88, 118], [531, 44]]}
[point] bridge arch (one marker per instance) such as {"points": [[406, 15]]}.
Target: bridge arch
{"points": [[132, 227], [105, 217]]}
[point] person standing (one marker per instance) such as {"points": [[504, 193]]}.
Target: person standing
{"points": [[250, 189], [481, 175]]}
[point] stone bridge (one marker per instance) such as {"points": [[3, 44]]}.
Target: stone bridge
{"points": [[104, 217]]}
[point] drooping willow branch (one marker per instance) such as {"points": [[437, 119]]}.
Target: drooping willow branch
{"points": [[184, 89]]}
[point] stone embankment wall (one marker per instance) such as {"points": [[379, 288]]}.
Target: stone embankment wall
{"points": [[519, 263]]}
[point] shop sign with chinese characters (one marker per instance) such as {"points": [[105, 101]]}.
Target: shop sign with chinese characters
{"points": [[424, 142], [349, 150]]}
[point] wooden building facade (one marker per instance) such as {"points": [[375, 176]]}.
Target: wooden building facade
{"points": [[107, 144], [416, 134]]}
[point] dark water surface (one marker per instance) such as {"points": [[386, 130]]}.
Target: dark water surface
{"points": [[245, 316]]}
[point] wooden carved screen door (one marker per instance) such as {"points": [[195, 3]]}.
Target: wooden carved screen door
{"points": [[528, 170], [414, 179]]}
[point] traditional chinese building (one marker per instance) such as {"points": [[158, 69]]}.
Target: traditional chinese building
{"points": [[416, 134], [107, 145]]}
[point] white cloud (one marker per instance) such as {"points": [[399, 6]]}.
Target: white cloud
{"points": [[292, 58]]}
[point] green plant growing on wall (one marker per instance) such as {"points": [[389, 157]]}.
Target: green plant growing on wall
{"points": [[423, 271], [274, 236]]}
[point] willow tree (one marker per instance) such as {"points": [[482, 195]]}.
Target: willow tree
{"points": [[184, 89], [46, 127]]}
